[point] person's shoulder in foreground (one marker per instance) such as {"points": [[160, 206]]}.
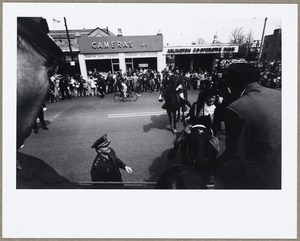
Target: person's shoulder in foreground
{"points": [[33, 173]]}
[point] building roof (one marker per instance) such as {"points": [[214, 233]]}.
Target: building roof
{"points": [[99, 32]]}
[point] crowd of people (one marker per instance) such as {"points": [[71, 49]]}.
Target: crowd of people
{"points": [[270, 74], [147, 80], [64, 86], [100, 84]]}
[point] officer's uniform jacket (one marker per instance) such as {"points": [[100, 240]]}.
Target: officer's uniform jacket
{"points": [[107, 170]]}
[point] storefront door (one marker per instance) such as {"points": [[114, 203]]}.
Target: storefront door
{"points": [[115, 65]]}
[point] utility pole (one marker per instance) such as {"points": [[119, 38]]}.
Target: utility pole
{"points": [[262, 40], [71, 53]]}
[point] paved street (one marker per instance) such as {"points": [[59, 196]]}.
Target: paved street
{"points": [[137, 131]]}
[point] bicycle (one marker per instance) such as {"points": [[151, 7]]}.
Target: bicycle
{"points": [[131, 96]]}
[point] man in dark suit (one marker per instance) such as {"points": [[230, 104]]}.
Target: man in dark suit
{"points": [[253, 127], [106, 166]]}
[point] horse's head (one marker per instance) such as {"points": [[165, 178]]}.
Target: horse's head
{"points": [[198, 145], [204, 120]]}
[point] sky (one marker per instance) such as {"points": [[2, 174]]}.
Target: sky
{"points": [[181, 24]]}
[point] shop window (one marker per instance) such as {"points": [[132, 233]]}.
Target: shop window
{"points": [[115, 61]]}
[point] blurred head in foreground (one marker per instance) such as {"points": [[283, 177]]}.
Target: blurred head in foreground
{"points": [[37, 60]]}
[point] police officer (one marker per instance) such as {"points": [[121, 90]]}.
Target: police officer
{"points": [[106, 164]]}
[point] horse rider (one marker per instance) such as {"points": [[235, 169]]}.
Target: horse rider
{"points": [[177, 82], [201, 113], [124, 89], [204, 106]]}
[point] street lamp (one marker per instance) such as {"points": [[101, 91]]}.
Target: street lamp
{"points": [[262, 40]]}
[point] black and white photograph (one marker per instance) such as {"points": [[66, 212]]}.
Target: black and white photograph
{"points": [[176, 116]]}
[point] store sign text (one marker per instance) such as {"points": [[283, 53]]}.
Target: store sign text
{"points": [[200, 50], [112, 44]]}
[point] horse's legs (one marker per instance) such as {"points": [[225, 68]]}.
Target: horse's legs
{"points": [[174, 120], [178, 115], [170, 117]]}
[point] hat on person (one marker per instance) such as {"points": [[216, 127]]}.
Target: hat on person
{"points": [[101, 142], [240, 74], [35, 30]]}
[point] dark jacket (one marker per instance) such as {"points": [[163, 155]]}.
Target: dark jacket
{"points": [[33, 173], [107, 170], [253, 131]]}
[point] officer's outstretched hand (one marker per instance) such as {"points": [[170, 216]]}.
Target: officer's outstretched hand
{"points": [[128, 169]]}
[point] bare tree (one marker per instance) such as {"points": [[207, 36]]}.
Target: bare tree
{"points": [[249, 37], [237, 36]]}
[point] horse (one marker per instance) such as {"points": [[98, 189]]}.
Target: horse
{"points": [[172, 104], [197, 147]]}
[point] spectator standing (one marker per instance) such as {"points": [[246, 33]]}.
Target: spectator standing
{"points": [[101, 86], [84, 86], [80, 88], [57, 92], [110, 81], [52, 89], [76, 87], [93, 85], [72, 86], [253, 124], [64, 87], [134, 82], [42, 120]]}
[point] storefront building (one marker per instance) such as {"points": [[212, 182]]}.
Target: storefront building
{"points": [[120, 53], [69, 45], [199, 57], [101, 50], [272, 46]]}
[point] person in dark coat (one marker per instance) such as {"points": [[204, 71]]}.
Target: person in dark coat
{"points": [[181, 177], [106, 166], [42, 120], [253, 124], [101, 85], [37, 59]]}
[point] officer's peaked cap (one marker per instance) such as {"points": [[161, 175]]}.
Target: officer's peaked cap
{"points": [[101, 142], [35, 30]]}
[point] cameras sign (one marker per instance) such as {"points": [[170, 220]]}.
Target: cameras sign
{"points": [[120, 44]]}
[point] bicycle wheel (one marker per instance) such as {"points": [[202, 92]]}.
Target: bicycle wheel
{"points": [[132, 96], [118, 97]]}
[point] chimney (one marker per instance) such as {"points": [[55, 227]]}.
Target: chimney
{"points": [[119, 32]]}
